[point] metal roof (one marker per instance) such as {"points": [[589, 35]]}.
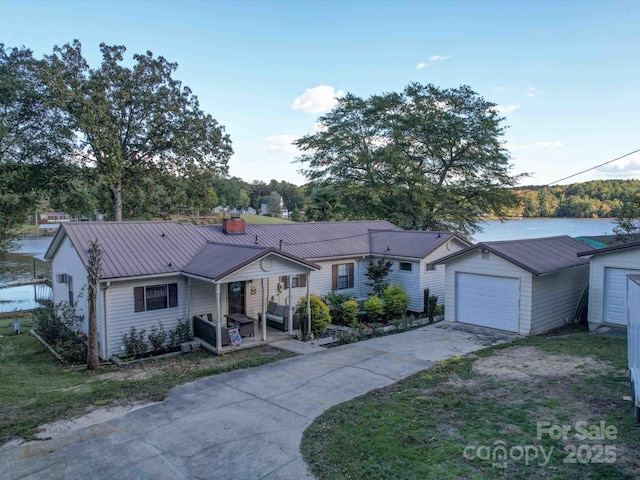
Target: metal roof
{"points": [[218, 260], [612, 248], [409, 243], [131, 249], [539, 256], [309, 240]]}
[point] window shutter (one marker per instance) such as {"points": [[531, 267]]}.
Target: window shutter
{"points": [[303, 279], [138, 294], [351, 275], [334, 277], [173, 295], [285, 281]]}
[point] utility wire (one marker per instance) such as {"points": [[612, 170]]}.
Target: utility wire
{"points": [[593, 168]]}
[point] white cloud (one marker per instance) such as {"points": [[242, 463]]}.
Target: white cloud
{"points": [[512, 107], [421, 65], [625, 168], [282, 144], [554, 144], [317, 99], [437, 58], [531, 92]]}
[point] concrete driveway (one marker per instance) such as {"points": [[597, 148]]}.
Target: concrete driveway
{"points": [[245, 424]]}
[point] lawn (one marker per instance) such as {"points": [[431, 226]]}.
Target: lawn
{"points": [[36, 389], [497, 414]]}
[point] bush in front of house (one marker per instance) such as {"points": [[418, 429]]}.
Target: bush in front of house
{"points": [[336, 301], [396, 301], [134, 342], [350, 313], [59, 326], [374, 308], [320, 314]]}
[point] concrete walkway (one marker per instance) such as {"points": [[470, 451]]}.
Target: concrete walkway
{"points": [[245, 424]]}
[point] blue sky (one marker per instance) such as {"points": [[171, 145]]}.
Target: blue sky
{"points": [[566, 74]]}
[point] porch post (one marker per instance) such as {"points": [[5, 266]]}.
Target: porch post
{"points": [[189, 306], [290, 307], [219, 320], [309, 300], [264, 311]]}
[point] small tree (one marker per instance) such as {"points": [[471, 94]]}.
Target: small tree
{"points": [[628, 222], [350, 313], [396, 301], [378, 273]]}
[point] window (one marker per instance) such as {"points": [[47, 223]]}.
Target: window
{"points": [[430, 267], [342, 276], [70, 286], [405, 266], [297, 281], [155, 297]]}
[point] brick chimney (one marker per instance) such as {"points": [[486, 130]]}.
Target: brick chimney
{"points": [[233, 226]]}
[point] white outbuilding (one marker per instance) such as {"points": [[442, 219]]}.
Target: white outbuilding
{"points": [[523, 286]]}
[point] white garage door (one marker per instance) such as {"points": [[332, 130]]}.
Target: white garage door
{"points": [[615, 295], [488, 301]]}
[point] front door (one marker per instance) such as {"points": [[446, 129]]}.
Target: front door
{"points": [[236, 297]]}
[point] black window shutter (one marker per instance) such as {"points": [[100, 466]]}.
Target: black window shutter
{"points": [[173, 295], [138, 295], [334, 277], [351, 275]]}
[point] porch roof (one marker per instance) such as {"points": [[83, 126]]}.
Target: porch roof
{"points": [[216, 261]]}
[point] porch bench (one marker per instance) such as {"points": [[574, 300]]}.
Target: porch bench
{"points": [[206, 330], [278, 317]]}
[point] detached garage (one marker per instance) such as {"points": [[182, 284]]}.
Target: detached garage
{"points": [[608, 282], [522, 286]]}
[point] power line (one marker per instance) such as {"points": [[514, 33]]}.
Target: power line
{"points": [[593, 168]]}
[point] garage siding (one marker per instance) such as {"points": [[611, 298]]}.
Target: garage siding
{"points": [[625, 259], [473, 262], [555, 297]]}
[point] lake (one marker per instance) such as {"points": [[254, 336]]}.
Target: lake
{"points": [[21, 269], [543, 227]]}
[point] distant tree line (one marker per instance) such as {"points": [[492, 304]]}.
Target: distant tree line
{"points": [[594, 199]]}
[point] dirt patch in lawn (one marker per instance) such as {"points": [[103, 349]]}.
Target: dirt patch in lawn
{"points": [[531, 363]]}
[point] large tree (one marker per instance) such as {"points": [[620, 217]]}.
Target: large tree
{"points": [[425, 158], [33, 141], [131, 119]]}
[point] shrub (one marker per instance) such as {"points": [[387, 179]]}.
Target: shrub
{"points": [[374, 308], [335, 301], [350, 313], [320, 314], [157, 337], [432, 303], [396, 301], [182, 332], [58, 325], [134, 342]]}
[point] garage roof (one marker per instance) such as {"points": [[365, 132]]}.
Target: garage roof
{"points": [[612, 248], [540, 256]]}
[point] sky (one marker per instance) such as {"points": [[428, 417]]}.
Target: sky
{"points": [[565, 74]]}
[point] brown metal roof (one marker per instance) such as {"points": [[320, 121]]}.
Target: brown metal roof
{"points": [[612, 248], [539, 256], [218, 260], [409, 243], [131, 249], [310, 240]]}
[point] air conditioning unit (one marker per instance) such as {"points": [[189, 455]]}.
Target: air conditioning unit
{"points": [[61, 278]]}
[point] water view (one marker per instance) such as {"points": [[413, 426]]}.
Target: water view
{"points": [[20, 265], [543, 227]]}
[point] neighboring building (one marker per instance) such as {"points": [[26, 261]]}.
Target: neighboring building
{"points": [[523, 286], [167, 271], [607, 282], [54, 217]]}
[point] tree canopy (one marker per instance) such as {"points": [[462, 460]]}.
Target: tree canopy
{"points": [[131, 120], [425, 158]]}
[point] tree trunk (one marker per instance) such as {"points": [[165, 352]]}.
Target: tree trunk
{"points": [[93, 360], [116, 199]]}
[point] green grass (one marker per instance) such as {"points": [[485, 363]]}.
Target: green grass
{"points": [[418, 428], [260, 219], [36, 389]]}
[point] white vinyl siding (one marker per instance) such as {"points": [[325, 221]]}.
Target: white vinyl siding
{"points": [[615, 295], [555, 297], [410, 281], [121, 316], [628, 259], [434, 279]]}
